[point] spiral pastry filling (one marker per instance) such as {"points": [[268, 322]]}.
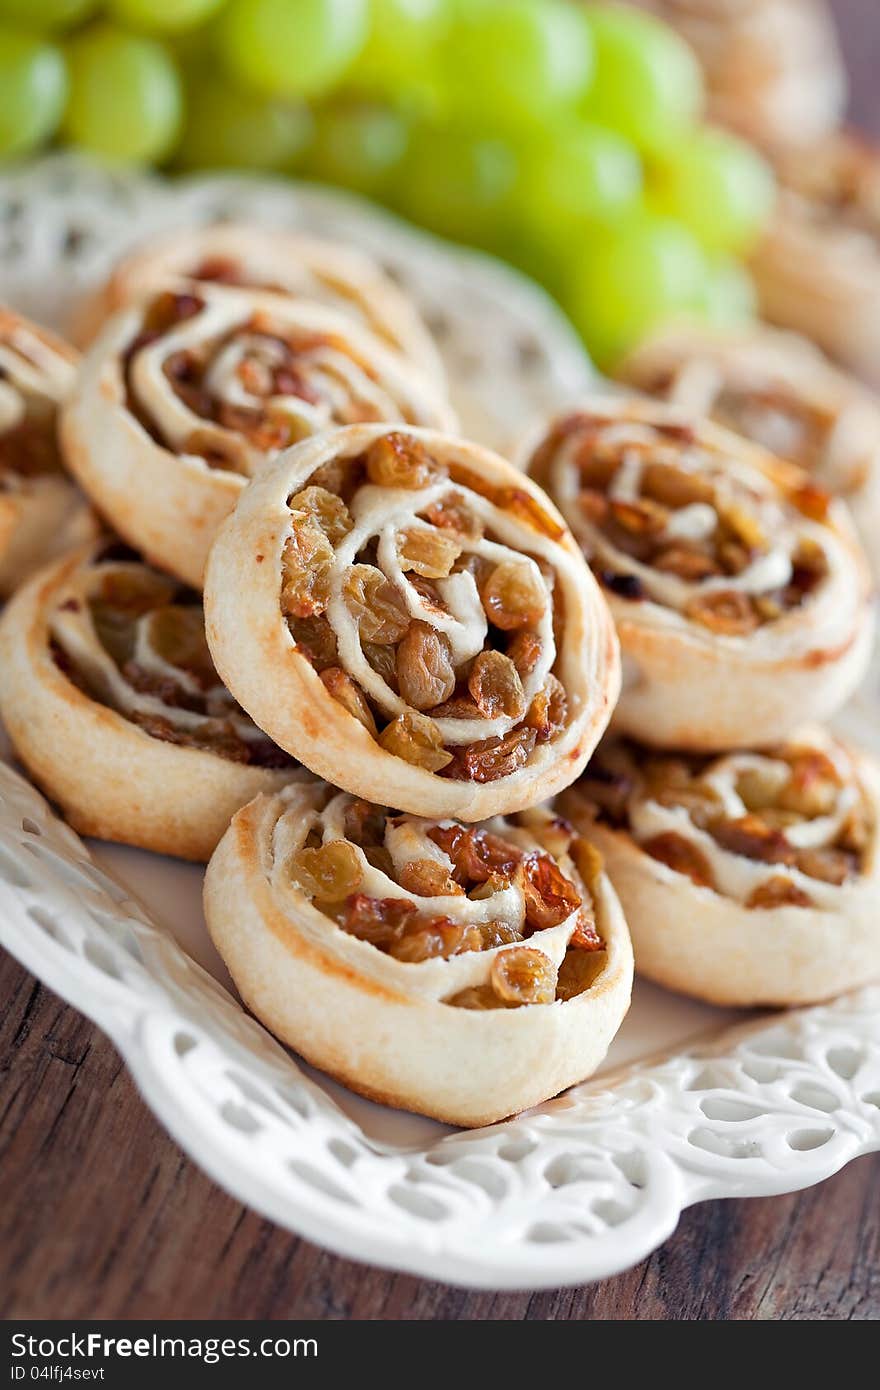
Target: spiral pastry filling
{"points": [[228, 378], [34, 379], [791, 826], [664, 517], [134, 640], [835, 442], [427, 600], [420, 890], [835, 187]]}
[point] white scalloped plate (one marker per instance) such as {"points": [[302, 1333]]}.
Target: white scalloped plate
{"points": [[578, 1189]]}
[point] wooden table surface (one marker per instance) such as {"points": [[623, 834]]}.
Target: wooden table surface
{"points": [[102, 1216]]}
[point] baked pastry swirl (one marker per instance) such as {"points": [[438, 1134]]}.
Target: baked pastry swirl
{"points": [[817, 268], [748, 878], [741, 597], [778, 390], [111, 701], [268, 258], [773, 68], [403, 610], [465, 972], [187, 394], [41, 512]]}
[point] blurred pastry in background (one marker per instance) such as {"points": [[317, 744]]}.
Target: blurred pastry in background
{"points": [[781, 392], [773, 68]]}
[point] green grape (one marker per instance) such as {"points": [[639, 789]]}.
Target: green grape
{"points": [[628, 279], [225, 127], [401, 39], [458, 185], [580, 173], [729, 298], [125, 99], [647, 83], [33, 84], [162, 16], [509, 62], [357, 145], [47, 14], [718, 186], [291, 48]]}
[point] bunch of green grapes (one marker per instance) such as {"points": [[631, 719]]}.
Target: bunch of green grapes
{"points": [[564, 136]]}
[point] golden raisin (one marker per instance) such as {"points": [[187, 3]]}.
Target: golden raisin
{"points": [[825, 863], [332, 871], [687, 561], [548, 711], [549, 896], [496, 687], [375, 605], [513, 595], [674, 487], [681, 856], [578, 971], [452, 514], [523, 975], [416, 739], [725, 611], [753, 838], [779, 891], [329, 511], [492, 758], [528, 509], [383, 659], [398, 460], [427, 551], [425, 674], [315, 640], [343, 689], [524, 651], [439, 937], [642, 518], [427, 879], [364, 823], [812, 501], [306, 568], [477, 997]]}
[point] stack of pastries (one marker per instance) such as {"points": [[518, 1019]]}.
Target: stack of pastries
{"points": [[365, 667]]}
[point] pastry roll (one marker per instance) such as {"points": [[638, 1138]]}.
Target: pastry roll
{"points": [[404, 612], [187, 394], [741, 597], [111, 701], [817, 268], [779, 391], [41, 512], [746, 878], [269, 258], [465, 972], [773, 68]]}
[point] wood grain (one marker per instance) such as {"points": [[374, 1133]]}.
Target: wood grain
{"points": [[101, 1216]]}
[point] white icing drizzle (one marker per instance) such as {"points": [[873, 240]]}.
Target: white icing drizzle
{"points": [[735, 875], [74, 631], [734, 483], [346, 377], [382, 513]]}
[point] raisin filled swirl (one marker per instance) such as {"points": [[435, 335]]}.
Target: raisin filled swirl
{"points": [[268, 258], [186, 395], [405, 610], [778, 390], [41, 513], [495, 956], [749, 878], [110, 698], [817, 268], [741, 597]]}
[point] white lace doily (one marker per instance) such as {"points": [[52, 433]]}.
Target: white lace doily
{"points": [[578, 1189]]}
